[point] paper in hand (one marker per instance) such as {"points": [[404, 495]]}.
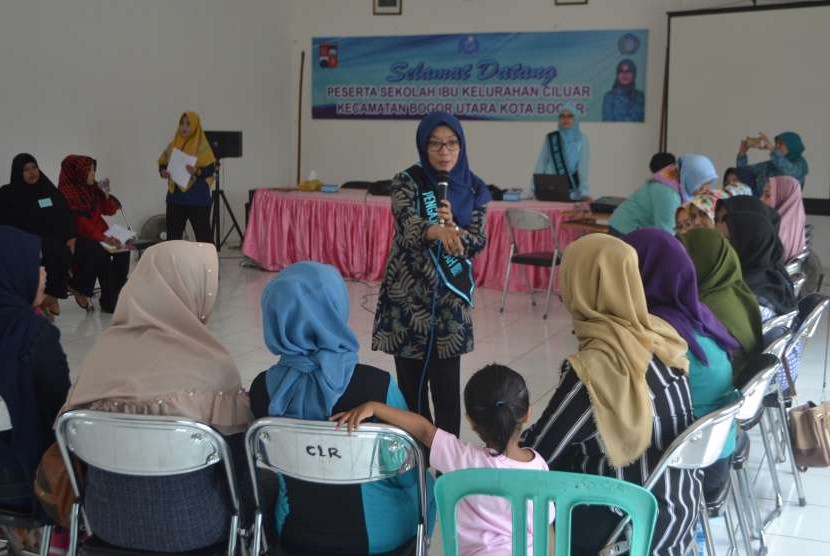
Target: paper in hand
{"points": [[177, 166]]}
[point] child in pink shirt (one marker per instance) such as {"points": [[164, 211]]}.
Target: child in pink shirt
{"points": [[497, 403]]}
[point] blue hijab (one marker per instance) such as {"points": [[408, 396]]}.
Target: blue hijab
{"points": [[695, 170], [305, 319], [19, 276], [571, 138], [795, 147], [466, 191]]}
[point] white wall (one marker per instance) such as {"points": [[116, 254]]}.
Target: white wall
{"points": [[503, 153], [110, 78]]}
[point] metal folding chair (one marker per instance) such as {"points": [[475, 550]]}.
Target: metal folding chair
{"points": [[699, 446], [523, 220], [798, 279], [374, 452], [786, 320], [141, 445], [12, 519]]}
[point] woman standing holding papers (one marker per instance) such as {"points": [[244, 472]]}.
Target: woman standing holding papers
{"points": [[191, 201]]}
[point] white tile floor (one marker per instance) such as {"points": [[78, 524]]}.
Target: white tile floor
{"points": [[518, 338]]}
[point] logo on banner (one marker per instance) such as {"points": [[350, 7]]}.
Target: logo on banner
{"points": [[628, 44], [327, 55], [468, 46]]}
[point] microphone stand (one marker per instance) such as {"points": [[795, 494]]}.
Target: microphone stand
{"points": [[219, 199]]}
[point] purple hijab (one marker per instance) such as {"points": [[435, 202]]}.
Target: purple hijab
{"points": [[671, 289]]}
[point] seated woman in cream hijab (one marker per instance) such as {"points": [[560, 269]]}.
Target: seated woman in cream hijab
{"points": [[623, 397], [159, 358]]}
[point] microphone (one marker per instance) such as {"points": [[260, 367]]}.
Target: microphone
{"points": [[443, 179]]}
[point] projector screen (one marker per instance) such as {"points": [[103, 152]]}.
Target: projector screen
{"points": [[734, 74]]}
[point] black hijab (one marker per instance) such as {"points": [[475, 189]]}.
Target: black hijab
{"points": [[752, 205], [760, 252], [39, 208], [19, 274]]}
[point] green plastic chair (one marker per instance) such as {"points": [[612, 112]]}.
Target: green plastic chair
{"points": [[565, 490]]}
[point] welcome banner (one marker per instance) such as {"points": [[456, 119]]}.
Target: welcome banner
{"points": [[483, 76]]}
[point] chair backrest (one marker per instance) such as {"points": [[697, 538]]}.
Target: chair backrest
{"points": [[565, 490], [5, 417], [785, 320], [761, 369], [810, 311], [143, 445], [793, 267], [798, 279], [524, 219], [700, 445], [777, 340], [319, 452]]}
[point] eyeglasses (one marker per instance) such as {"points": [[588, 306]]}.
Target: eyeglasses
{"points": [[435, 146]]}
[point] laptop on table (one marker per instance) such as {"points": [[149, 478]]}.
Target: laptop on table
{"points": [[552, 187]]}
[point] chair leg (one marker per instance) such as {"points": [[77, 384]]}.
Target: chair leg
{"points": [[788, 446], [550, 284], [233, 535], [707, 530], [506, 282], [256, 542], [751, 507], [14, 546], [773, 473], [45, 539], [529, 286], [742, 521], [73, 530], [730, 530]]}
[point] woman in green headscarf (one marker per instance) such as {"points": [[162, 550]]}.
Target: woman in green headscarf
{"points": [[785, 159], [722, 289]]}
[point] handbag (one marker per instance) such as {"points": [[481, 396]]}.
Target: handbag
{"points": [[53, 487], [809, 429]]}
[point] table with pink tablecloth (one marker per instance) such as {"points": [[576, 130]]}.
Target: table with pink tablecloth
{"points": [[353, 231]]}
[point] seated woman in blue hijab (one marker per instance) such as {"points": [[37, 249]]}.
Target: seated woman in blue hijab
{"points": [[305, 313], [566, 152], [785, 159], [34, 375], [655, 203]]}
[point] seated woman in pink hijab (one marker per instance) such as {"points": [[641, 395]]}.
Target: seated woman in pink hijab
{"points": [[783, 193]]}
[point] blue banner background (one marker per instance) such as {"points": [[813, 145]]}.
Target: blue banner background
{"points": [[487, 76]]}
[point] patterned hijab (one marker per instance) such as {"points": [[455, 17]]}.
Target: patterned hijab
{"points": [[761, 253], [466, 191], [195, 144], [722, 288], [305, 320], [670, 284], [82, 199], [785, 195], [707, 201], [602, 290]]}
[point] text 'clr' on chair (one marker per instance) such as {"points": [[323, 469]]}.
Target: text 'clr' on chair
{"points": [[319, 452], [144, 446], [523, 220], [564, 490]]}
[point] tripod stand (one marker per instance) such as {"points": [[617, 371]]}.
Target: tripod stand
{"points": [[219, 199]]}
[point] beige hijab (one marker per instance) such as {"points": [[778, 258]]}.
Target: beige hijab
{"points": [[602, 289], [158, 357]]}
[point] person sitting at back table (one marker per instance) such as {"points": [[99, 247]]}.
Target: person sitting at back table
{"points": [[89, 201], [31, 202], [34, 375], [655, 203], [736, 181], [722, 289], [159, 358], [305, 320], [622, 398], [671, 293], [566, 152], [783, 194], [785, 159]]}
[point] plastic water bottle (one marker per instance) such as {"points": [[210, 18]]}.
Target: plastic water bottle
{"points": [[700, 540]]}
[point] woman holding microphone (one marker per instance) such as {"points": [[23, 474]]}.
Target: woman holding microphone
{"points": [[424, 312]]}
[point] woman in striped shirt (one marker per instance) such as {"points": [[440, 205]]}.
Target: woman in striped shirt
{"points": [[623, 397]]}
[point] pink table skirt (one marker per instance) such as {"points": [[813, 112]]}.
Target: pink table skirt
{"points": [[353, 232]]}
